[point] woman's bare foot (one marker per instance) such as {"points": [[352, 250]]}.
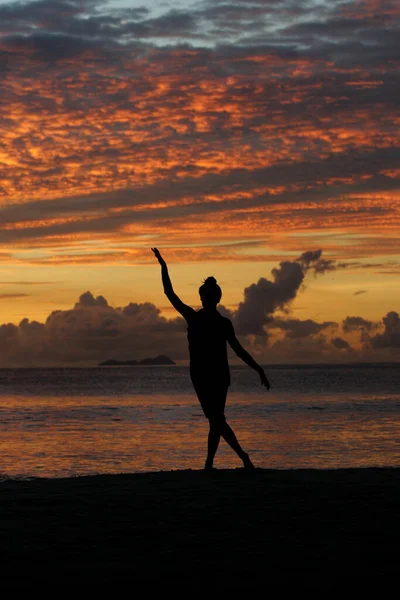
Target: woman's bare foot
{"points": [[247, 462], [209, 465]]}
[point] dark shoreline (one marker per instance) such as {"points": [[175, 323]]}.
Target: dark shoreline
{"points": [[318, 365], [237, 527]]}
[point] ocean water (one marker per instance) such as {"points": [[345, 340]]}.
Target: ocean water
{"points": [[85, 421]]}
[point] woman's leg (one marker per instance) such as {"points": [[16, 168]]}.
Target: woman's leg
{"points": [[231, 439], [219, 425], [214, 437], [213, 402]]}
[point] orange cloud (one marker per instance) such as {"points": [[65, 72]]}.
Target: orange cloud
{"points": [[198, 145]]}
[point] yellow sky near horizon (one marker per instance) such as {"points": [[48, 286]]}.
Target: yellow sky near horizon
{"points": [[331, 296]]}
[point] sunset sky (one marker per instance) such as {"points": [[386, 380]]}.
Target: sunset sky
{"points": [[253, 140]]}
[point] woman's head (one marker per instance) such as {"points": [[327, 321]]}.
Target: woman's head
{"points": [[210, 293]]}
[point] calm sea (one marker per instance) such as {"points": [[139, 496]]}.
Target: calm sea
{"points": [[69, 422]]}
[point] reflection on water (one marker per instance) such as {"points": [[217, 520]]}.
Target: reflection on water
{"points": [[74, 435]]}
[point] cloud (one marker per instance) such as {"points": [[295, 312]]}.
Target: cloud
{"points": [[390, 338], [341, 344], [313, 258], [90, 332], [93, 331], [263, 298], [28, 282], [116, 117], [11, 296], [357, 324], [87, 299], [217, 117], [296, 328]]}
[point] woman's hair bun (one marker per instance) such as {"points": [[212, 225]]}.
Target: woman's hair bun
{"points": [[211, 290], [210, 281]]}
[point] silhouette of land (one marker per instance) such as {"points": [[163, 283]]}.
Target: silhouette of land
{"points": [[229, 529], [157, 360]]}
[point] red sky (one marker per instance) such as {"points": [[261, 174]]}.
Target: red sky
{"points": [[233, 136]]}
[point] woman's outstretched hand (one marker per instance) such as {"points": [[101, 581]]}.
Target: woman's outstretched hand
{"points": [[158, 256], [264, 380]]}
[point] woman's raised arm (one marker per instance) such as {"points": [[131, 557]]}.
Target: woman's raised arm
{"points": [[185, 310]]}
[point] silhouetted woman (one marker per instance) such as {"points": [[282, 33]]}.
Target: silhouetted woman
{"points": [[208, 332]]}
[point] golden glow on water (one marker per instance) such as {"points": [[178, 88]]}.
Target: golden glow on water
{"points": [[75, 436]]}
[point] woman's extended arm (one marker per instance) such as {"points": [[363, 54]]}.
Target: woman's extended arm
{"points": [[176, 302], [247, 358], [168, 290]]}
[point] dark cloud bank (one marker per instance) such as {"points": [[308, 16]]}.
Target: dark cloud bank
{"points": [[93, 330]]}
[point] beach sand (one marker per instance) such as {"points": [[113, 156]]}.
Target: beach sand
{"points": [[185, 530]]}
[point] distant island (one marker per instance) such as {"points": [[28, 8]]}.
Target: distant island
{"points": [[157, 360]]}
